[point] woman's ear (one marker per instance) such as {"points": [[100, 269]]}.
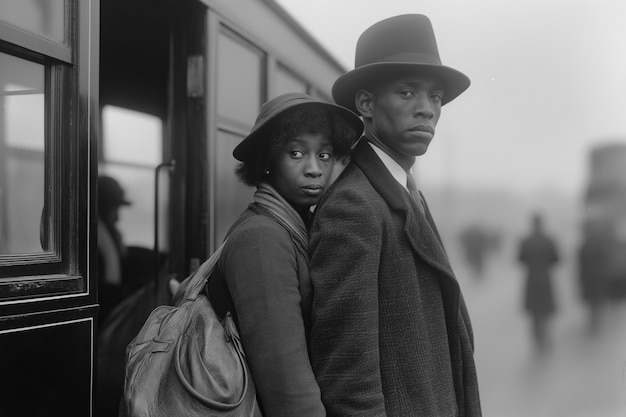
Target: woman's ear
{"points": [[363, 102]]}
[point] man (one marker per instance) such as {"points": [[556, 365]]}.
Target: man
{"points": [[390, 333], [111, 248], [538, 254]]}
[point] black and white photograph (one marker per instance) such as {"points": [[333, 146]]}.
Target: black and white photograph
{"points": [[287, 208]]}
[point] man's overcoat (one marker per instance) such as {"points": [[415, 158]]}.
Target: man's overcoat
{"points": [[390, 331]]}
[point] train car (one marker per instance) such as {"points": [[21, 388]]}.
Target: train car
{"points": [[153, 93]]}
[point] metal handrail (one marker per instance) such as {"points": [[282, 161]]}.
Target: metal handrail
{"points": [[171, 166]]}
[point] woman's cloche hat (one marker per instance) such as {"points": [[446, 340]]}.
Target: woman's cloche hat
{"points": [[247, 148], [402, 44]]}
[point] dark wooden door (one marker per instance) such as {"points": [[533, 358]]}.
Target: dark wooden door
{"points": [[48, 135]]}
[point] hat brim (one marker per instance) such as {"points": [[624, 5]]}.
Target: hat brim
{"points": [[248, 148], [453, 81]]}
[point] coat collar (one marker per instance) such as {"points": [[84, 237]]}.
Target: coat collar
{"points": [[419, 229]]}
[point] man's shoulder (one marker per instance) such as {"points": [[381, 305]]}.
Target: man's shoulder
{"points": [[351, 189], [352, 179]]}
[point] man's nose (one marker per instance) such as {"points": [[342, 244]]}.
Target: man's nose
{"points": [[423, 107]]}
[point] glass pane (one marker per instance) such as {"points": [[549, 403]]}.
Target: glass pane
{"points": [[131, 137], [232, 196], [136, 221], [42, 17], [132, 149], [239, 72], [22, 149], [286, 82]]}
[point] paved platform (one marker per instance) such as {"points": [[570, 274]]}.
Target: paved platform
{"points": [[583, 374]]}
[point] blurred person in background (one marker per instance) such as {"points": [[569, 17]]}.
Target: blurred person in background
{"points": [[538, 254], [478, 243], [111, 248], [594, 269]]}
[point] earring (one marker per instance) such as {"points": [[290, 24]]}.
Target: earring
{"points": [[267, 172]]}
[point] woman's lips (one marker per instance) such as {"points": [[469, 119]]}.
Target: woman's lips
{"points": [[313, 189]]}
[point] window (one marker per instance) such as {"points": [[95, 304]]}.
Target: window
{"points": [[22, 150], [239, 74], [45, 18], [44, 150], [131, 151]]}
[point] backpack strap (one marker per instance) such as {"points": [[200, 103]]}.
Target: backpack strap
{"points": [[191, 286]]}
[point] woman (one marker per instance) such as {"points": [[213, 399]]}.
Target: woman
{"points": [[262, 276]]}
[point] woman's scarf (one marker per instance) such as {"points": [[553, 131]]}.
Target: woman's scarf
{"points": [[271, 201]]}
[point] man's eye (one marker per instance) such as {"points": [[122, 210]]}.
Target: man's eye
{"points": [[437, 96]]}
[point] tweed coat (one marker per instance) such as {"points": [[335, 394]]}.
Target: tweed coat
{"points": [[390, 332], [263, 279]]}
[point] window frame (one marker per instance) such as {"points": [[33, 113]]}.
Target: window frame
{"points": [[61, 270], [42, 45]]}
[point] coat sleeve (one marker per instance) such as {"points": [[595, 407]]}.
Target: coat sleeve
{"points": [[261, 271], [345, 250]]}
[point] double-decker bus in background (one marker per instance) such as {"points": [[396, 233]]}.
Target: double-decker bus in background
{"points": [[136, 90], [605, 211]]}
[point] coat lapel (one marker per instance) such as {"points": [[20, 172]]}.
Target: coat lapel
{"points": [[419, 229], [425, 242]]}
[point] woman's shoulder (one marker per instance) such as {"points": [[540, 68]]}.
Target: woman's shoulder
{"points": [[254, 226], [257, 237]]}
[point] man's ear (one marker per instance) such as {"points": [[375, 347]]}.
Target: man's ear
{"points": [[363, 100]]}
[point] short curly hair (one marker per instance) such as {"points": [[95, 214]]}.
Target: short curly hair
{"points": [[291, 123]]}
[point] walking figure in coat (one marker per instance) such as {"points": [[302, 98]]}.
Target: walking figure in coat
{"points": [[538, 253], [390, 331]]}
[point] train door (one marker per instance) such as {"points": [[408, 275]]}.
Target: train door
{"points": [[48, 306], [152, 85], [143, 104], [135, 77]]}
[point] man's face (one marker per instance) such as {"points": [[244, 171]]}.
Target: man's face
{"points": [[404, 114], [111, 215]]}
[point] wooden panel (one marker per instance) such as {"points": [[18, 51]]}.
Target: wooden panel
{"points": [[46, 369]]}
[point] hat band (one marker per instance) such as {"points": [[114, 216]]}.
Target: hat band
{"points": [[412, 58]]}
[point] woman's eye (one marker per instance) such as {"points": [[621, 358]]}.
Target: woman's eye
{"points": [[296, 154], [325, 156], [406, 93]]}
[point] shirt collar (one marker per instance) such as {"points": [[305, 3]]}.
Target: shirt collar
{"points": [[398, 173]]}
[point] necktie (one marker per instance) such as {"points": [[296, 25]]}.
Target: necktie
{"points": [[412, 187]]}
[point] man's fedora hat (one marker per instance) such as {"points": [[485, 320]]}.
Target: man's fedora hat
{"points": [[246, 151], [404, 45]]}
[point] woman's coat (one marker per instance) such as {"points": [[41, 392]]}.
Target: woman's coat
{"points": [[268, 285]]}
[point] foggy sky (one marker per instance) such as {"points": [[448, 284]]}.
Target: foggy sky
{"points": [[548, 81]]}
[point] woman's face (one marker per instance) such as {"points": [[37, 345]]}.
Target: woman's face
{"points": [[303, 169]]}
